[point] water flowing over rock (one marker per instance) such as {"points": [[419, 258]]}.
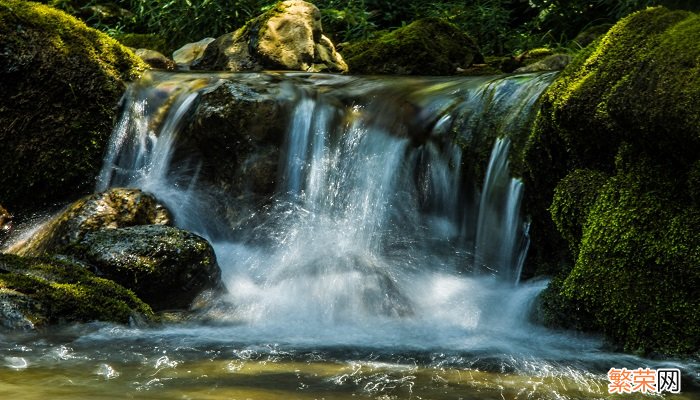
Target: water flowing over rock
{"points": [[332, 199], [288, 37], [166, 267], [115, 208]]}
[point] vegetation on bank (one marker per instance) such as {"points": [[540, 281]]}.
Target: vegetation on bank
{"points": [[501, 27], [615, 150]]}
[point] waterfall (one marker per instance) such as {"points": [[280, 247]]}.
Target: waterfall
{"points": [[381, 208]]}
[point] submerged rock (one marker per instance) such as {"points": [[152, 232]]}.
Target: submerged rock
{"points": [[165, 266], [627, 108], [39, 291], [115, 208], [289, 36], [425, 47], [60, 82]]}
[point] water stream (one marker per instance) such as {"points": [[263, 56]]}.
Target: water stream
{"points": [[384, 263]]}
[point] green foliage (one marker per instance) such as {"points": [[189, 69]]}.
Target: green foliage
{"points": [[184, 21]]}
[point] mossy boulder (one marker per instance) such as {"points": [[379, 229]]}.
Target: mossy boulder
{"points": [[428, 46], [289, 36], [60, 82], [626, 108], [114, 208], [35, 292], [165, 266]]}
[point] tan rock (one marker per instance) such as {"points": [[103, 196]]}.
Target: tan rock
{"points": [[115, 208], [288, 37], [190, 53]]}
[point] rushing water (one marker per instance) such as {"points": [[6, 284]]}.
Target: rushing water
{"points": [[385, 263]]}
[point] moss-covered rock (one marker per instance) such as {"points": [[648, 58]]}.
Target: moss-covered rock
{"points": [[165, 266], [60, 82], [39, 291], [627, 107], [115, 208], [425, 47]]}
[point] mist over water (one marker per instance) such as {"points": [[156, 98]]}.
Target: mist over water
{"points": [[370, 237]]}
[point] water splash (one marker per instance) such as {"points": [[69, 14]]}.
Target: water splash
{"points": [[379, 218]]}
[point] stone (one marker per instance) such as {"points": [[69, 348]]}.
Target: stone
{"points": [[287, 37], [115, 208], [155, 59], [165, 266], [191, 53]]}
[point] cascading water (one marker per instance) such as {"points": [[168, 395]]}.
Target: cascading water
{"points": [[370, 246], [375, 221]]}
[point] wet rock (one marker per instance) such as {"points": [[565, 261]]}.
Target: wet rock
{"points": [[60, 82], [238, 130], [191, 53], [19, 311], [425, 47], [38, 291], [155, 59], [115, 208], [288, 37], [165, 266]]}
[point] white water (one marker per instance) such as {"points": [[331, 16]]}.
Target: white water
{"points": [[370, 239]]}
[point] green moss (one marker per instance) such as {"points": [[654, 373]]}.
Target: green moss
{"points": [[144, 41], [573, 198], [61, 82], [68, 292], [628, 108], [638, 269], [425, 47]]}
